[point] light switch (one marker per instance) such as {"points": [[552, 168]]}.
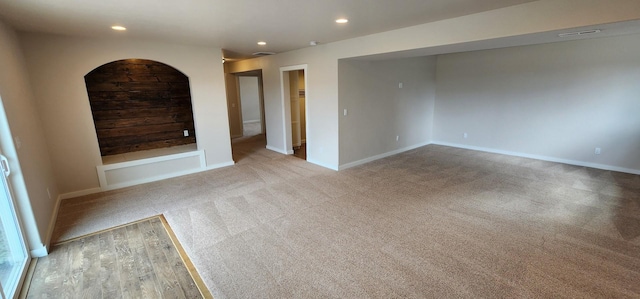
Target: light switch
{"points": [[345, 112]]}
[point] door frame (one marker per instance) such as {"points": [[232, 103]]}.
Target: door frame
{"points": [[8, 149], [286, 106]]}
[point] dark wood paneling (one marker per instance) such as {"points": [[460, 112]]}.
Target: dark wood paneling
{"points": [[139, 105]]}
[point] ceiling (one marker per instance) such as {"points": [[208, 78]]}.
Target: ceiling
{"points": [[235, 26]]}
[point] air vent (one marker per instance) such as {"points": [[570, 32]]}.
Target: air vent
{"points": [[263, 53], [579, 33]]}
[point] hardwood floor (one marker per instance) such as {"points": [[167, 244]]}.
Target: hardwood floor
{"points": [[301, 151], [138, 260]]}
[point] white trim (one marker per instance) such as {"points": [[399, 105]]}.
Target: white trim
{"points": [[287, 112], [40, 251], [150, 160], [80, 193], [253, 121], [219, 165], [539, 157], [380, 156], [102, 169], [277, 150], [52, 221], [322, 164], [151, 179]]}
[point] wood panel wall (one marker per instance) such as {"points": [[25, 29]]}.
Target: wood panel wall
{"points": [[139, 105]]}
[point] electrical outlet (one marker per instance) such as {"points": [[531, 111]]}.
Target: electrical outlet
{"points": [[344, 112], [597, 151], [400, 85], [186, 133], [397, 137], [465, 135]]}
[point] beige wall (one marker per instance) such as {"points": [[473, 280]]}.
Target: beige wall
{"points": [[31, 168], [378, 110], [558, 101], [432, 38], [57, 65]]}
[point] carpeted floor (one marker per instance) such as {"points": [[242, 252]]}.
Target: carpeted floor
{"points": [[432, 222]]}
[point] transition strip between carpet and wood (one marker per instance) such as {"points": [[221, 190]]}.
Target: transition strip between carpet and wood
{"points": [[142, 259]]}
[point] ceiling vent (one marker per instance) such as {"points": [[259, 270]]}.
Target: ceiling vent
{"points": [[579, 33], [263, 53]]}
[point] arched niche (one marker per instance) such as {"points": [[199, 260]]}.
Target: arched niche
{"points": [[140, 104]]}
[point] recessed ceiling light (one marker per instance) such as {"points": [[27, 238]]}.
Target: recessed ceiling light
{"points": [[342, 21], [262, 43], [119, 28]]}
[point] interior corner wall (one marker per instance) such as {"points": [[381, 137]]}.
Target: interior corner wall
{"points": [[379, 110], [57, 65], [556, 101], [32, 173]]}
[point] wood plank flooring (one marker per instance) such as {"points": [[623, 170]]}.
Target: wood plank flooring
{"points": [[138, 260]]}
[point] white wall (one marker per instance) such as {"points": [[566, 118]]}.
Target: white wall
{"points": [[378, 110], [249, 98], [31, 173], [322, 75], [57, 65], [558, 101]]}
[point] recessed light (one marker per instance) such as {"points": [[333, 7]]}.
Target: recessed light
{"points": [[119, 28], [342, 21], [262, 43]]}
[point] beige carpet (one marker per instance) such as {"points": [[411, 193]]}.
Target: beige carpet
{"points": [[434, 222]]}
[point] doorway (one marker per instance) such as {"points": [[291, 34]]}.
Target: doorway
{"points": [[295, 103], [251, 113], [245, 104]]}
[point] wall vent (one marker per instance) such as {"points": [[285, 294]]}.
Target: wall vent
{"points": [[263, 53], [579, 33]]}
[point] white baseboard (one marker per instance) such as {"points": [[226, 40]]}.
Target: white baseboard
{"points": [[80, 193], [540, 157], [52, 221], [277, 150], [252, 121], [380, 156], [40, 251], [220, 165], [322, 164]]}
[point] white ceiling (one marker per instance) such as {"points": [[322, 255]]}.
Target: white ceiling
{"points": [[236, 25]]}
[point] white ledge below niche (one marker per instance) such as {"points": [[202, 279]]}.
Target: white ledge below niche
{"points": [[129, 173]]}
